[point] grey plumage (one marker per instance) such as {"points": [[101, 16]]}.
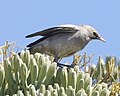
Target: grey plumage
{"points": [[63, 41]]}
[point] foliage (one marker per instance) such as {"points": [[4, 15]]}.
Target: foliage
{"points": [[36, 75]]}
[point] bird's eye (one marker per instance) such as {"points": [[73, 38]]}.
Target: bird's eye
{"points": [[95, 34]]}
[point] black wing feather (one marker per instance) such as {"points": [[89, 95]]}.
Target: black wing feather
{"points": [[36, 42], [49, 32], [53, 30]]}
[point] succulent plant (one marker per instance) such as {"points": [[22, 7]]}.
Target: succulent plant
{"points": [[36, 75]]}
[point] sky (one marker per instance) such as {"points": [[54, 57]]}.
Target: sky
{"points": [[19, 18]]}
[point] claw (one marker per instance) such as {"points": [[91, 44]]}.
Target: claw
{"points": [[62, 65]]}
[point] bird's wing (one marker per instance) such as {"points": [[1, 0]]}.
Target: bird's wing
{"points": [[55, 30], [36, 42]]}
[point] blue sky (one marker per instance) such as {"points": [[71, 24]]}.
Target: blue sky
{"points": [[21, 17]]}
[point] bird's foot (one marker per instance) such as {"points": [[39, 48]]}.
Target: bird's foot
{"points": [[62, 65]]}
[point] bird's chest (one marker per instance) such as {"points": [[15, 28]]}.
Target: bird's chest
{"points": [[77, 43], [71, 46]]}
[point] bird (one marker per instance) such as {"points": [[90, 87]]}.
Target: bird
{"points": [[63, 40]]}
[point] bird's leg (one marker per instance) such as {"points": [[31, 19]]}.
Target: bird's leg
{"points": [[60, 64]]}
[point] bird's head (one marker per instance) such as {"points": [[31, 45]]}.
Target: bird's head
{"points": [[91, 33]]}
